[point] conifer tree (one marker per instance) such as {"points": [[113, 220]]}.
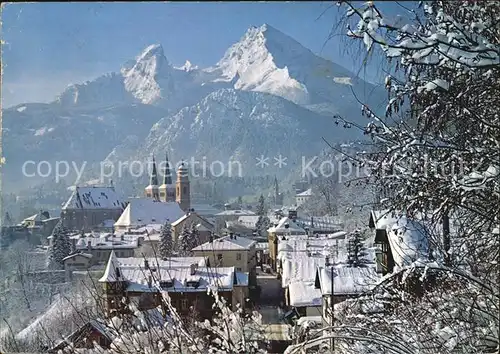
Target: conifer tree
{"points": [[59, 248], [185, 243], [195, 236], [166, 244], [261, 207]]}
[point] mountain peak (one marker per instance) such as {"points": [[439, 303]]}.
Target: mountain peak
{"points": [[149, 76], [153, 50]]}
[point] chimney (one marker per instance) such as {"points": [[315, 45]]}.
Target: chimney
{"points": [[89, 246], [146, 264], [194, 267]]}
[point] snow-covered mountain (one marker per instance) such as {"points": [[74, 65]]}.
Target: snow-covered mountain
{"points": [[267, 93], [235, 125], [267, 60]]}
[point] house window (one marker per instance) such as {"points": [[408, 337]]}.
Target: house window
{"points": [[238, 269], [238, 256], [184, 304]]}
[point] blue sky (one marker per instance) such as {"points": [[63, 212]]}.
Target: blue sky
{"points": [[51, 45]]}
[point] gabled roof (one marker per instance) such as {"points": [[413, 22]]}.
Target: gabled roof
{"points": [[346, 280], [408, 241], [381, 219], [292, 227], [94, 198], [112, 273], [184, 217], [85, 255], [179, 278], [144, 211], [306, 193], [227, 243], [36, 217]]}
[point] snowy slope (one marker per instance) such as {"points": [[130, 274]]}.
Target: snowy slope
{"points": [[232, 124], [49, 132]]}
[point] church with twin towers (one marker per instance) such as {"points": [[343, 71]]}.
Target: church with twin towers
{"points": [[179, 192]]}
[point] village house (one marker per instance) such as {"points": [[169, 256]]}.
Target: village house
{"points": [[187, 287], [40, 224], [100, 246], [348, 282], [285, 227], [204, 227], [89, 208], [298, 259], [303, 197], [98, 332], [77, 261], [399, 240], [230, 251]]}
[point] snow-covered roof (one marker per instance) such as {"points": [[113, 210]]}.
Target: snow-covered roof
{"points": [[293, 228], [173, 262], [205, 209], [143, 211], [101, 241], [381, 219], [36, 217], [248, 220], [300, 269], [185, 216], [304, 246], [347, 280], [238, 212], [74, 255], [112, 272], [94, 198], [205, 277], [306, 193], [226, 243], [408, 241], [304, 294]]}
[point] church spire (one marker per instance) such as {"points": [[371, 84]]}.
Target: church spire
{"points": [[167, 176], [154, 174]]}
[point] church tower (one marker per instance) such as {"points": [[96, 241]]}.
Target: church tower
{"points": [[278, 198], [152, 190], [167, 189], [182, 188]]}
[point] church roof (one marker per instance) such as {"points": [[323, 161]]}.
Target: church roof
{"points": [[94, 198], [167, 176], [154, 174], [143, 211], [112, 273]]}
